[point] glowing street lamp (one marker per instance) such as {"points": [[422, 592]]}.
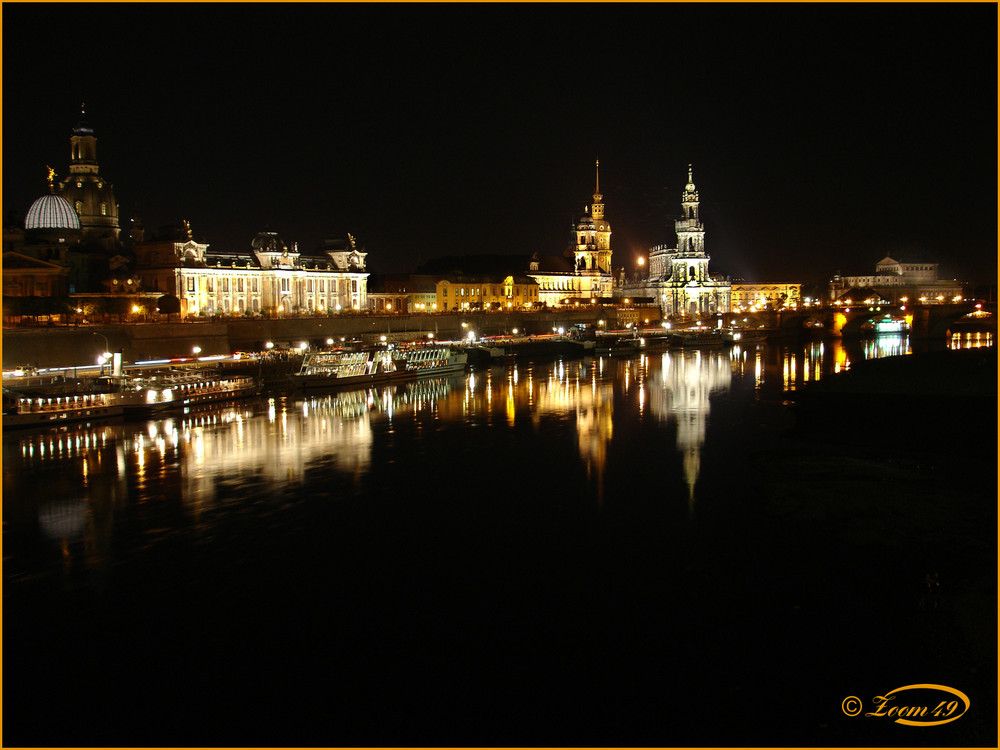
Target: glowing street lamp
{"points": [[196, 350]]}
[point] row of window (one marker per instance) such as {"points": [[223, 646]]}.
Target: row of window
{"points": [[237, 285]]}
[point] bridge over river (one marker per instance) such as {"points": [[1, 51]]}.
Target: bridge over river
{"points": [[922, 321]]}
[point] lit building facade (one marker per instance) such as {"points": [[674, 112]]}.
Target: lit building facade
{"points": [[269, 279], [894, 280], [487, 293], [679, 279], [772, 295], [584, 269]]}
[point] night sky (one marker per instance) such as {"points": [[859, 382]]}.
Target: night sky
{"points": [[823, 136]]}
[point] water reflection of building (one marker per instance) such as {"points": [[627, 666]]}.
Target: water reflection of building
{"points": [[680, 392], [564, 391]]}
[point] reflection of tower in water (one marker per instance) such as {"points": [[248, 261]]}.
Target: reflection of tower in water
{"points": [[572, 392], [681, 391]]}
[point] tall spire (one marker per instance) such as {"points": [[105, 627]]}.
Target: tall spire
{"points": [[597, 169]]}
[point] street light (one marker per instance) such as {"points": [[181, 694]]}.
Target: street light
{"points": [[106, 354]]}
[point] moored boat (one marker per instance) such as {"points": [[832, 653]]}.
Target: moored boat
{"points": [[337, 369], [696, 338], [55, 410], [177, 389], [744, 335]]}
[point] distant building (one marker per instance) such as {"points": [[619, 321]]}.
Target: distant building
{"points": [[583, 271], [772, 295], [893, 280], [679, 278], [267, 279]]}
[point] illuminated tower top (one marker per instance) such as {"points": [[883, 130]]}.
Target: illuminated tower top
{"points": [[689, 200], [91, 195], [597, 208]]}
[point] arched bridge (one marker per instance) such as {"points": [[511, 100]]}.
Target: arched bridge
{"points": [[922, 321]]}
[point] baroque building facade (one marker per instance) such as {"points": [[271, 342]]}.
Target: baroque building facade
{"points": [[583, 272], [268, 279], [679, 280]]}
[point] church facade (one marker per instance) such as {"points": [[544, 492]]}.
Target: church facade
{"points": [[679, 279], [583, 271]]}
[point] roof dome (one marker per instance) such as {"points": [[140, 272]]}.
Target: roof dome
{"points": [[268, 242], [51, 212]]}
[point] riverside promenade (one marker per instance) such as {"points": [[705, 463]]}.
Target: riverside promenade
{"points": [[63, 345]]}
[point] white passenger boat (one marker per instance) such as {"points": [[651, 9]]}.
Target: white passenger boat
{"points": [[56, 410], [167, 390], [358, 368]]}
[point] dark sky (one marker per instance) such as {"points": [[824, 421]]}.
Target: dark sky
{"points": [[823, 136]]}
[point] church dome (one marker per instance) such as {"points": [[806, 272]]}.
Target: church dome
{"points": [[51, 212]]}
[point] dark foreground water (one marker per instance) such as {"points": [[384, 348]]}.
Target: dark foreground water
{"points": [[606, 552]]}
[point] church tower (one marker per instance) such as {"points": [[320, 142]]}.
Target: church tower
{"points": [[89, 193], [592, 235], [690, 262]]}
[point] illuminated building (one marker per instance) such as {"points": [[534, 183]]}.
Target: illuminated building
{"points": [[88, 193], [679, 279], [456, 292], [771, 295], [895, 280], [583, 272], [268, 279]]}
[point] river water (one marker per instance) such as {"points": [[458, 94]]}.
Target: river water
{"points": [[582, 552]]}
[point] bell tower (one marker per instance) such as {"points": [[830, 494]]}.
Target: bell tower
{"points": [[593, 234], [690, 230]]}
